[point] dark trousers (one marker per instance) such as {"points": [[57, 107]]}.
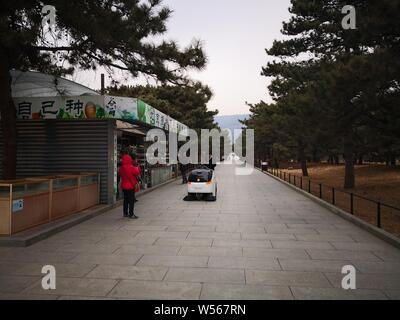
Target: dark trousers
{"points": [[129, 202], [184, 176]]}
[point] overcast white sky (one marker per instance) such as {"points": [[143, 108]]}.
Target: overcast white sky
{"points": [[235, 34]]}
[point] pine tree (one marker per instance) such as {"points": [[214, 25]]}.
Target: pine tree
{"points": [[112, 33]]}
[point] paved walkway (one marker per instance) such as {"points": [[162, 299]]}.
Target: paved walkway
{"points": [[260, 240]]}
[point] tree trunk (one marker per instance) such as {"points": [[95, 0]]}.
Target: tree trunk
{"points": [[315, 157], [393, 159], [360, 159], [336, 159], [303, 160], [276, 163], [8, 119], [349, 179]]}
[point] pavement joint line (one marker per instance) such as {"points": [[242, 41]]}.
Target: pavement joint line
{"points": [[326, 277], [382, 260], [201, 290], [292, 293], [308, 254], [165, 275], [280, 265]]}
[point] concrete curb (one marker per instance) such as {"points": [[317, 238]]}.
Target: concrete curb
{"points": [[382, 234], [39, 233]]}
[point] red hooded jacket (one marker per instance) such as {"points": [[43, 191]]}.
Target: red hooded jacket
{"points": [[128, 173]]}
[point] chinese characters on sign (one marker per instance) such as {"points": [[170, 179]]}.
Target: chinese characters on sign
{"points": [[96, 107]]}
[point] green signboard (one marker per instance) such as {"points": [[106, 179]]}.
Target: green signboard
{"points": [[96, 107]]}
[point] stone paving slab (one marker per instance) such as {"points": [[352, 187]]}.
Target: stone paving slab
{"points": [[244, 263], [128, 273], [148, 249], [76, 287], [35, 269], [171, 261], [184, 242], [211, 251], [314, 265], [244, 292], [154, 290], [306, 293], [342, 255], [15, 284], [106, 259], [369, 281], [275, 253], [287, 278], [208, 275]]}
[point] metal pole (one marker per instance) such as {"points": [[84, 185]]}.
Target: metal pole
{"points": [[309, 186], [352, 203], [301, 183], [102, 84], [320, 191], [333, 196], [378, 216]]}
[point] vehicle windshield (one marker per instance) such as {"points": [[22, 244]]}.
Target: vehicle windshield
{"points": [[200, 176]]}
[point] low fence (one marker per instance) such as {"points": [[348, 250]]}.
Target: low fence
{"points": [[384, 216]]}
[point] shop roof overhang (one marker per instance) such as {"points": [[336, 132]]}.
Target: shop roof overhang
{"points": [[129, 128], [35, 84], [42, 96]]}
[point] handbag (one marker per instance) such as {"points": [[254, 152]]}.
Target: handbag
{"points": [[137, 187]]}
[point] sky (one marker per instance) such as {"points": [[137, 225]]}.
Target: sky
{"points": [[234, 34]]}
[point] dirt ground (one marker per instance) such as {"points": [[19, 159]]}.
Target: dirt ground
{"points": [[375, 182]]}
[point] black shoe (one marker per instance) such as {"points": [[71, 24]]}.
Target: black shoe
{"points": [[133, 217], [126, 216]]}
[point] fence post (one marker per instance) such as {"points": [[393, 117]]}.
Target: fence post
{"points": [[309, 186], [294, 181], [352, 203], [320, 190], [301, 183], [333, 196], [378, 215]]}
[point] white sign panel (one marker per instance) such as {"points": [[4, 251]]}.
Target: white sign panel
{"points": [[18, 205]]}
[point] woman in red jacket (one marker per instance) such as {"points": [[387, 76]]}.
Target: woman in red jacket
{"points": [[129, 173]]}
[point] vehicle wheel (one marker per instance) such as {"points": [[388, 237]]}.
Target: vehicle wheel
{"points": [[210, 197], [190, 197]]}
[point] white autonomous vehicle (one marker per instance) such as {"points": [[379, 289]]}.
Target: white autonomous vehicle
{"points": [[202, 184]]}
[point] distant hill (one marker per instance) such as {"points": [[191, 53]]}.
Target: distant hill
{"points": [[231, 122]]}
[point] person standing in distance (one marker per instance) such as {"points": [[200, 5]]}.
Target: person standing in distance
{"points": [[129, 173]]}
